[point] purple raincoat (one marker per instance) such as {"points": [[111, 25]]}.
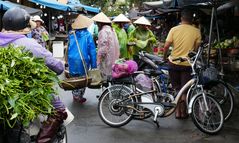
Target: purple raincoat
{"points": [[36, 49]]}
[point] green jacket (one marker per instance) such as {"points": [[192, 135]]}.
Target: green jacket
{"points": [[130, 28], [123, 39], [144, 41]]}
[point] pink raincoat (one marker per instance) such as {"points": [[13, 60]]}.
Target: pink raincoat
{"points": [[108, 50]]}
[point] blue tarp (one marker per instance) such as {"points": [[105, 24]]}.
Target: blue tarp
{"points": [[72, 5], [87, 8], [5, 5], [55, 5]]}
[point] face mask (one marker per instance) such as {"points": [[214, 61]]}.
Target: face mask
{"points": [[126, 26]]}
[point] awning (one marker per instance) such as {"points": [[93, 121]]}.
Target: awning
{"points": [[159, 4], [87, 8], [5, 5], [183, 3], [178, 3], [55, 5], [71, 5], [228, 5], [161, 7]]}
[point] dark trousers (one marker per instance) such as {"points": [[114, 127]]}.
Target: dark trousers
{"points": [[179, 75]]}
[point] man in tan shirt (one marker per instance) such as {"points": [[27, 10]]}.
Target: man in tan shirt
{"points": [[184, 38]]}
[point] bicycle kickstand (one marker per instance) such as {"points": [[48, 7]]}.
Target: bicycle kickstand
{"points": [[157, 123], [155, 118]]}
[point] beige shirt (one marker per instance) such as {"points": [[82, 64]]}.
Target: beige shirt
{"points": [[184, 39]]}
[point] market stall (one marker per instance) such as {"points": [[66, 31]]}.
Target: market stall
{"points": [[60, 12], [58, 16], [222, 33]]}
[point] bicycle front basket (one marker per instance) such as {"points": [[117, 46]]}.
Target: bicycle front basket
{"points": [[209, 74]]}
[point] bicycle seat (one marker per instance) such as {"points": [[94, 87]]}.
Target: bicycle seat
{"points": [[122, 80], [156, 59], [151, 72]]}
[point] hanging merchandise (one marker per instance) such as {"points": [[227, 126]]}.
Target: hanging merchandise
{"points": [[61, 25], [55, 24]]}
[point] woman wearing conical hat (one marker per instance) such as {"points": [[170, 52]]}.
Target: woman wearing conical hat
{"points": [[87, 48], [118, 26], [108, 45], [142, 37]]}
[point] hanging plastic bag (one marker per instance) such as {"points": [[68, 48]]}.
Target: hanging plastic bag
{"points": [[123, 68], [45, 36], [143, 82]]}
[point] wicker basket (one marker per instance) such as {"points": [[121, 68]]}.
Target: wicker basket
{"points": [[209, 74], [72, 83]]}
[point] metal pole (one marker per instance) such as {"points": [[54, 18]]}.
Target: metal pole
{"points": [[49, 21], [218, 40], [210, 36]]}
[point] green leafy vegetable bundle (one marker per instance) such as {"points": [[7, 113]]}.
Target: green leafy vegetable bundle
{"points": [[26, 85], [227, 43]]}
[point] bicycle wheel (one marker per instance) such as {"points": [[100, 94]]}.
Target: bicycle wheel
{"points": [[211, 121], [220, 92], [112, 106], [223, 95]]}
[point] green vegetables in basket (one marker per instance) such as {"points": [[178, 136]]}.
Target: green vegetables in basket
{"points": [[227, 43], [25, 87]]}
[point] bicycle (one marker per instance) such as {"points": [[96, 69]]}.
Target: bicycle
{"points": [[118, 104], [217, 87], [214, 84]]}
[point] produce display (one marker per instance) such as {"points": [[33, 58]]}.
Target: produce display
{"points": [[26, 85], [227, 43]]}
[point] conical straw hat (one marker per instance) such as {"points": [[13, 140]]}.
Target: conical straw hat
{"points": [[101, 17], [142, 21], [81, 22], [121, 18]]}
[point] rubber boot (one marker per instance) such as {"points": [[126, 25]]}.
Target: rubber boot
{"points": [[50, 127]]}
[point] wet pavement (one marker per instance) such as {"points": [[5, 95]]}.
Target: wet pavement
{"points": [[87, 127]]}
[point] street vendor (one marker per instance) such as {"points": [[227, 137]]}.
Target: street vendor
{"points": [[81, 45], [118, 26], [141, 38], [15, 27]]}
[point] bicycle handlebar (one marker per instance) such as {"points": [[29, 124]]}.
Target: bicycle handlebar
{"points": [[154, 58], [192, 59], [181, 59]]}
